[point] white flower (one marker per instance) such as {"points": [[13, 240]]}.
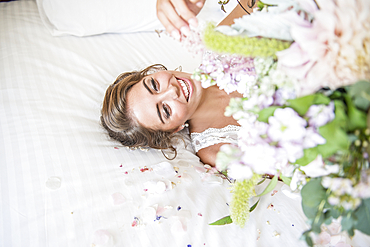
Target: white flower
{"points": [[261, 158], [361, 190], [320, 115], [298, 180], [239, 171], [293, 151], [312, 138], [333, 200], [286, 125], [317, 168]]}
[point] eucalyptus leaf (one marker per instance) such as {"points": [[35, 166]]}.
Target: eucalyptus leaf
{"points": [[347, 222], [310, 212], [313, 193], [362, 214], [270, 186], [224, 221]]}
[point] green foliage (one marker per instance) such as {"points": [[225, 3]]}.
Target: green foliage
{"points": [[242, 45], [224, 221], [362, 213], [360, 93], [270, 186], [301, 105], [309, 155], [334, 133], [264, 114]]}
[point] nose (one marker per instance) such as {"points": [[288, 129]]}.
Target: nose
{"points": [[172, 92]]}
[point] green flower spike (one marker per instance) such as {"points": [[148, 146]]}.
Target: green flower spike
{"points": [[242, 191], [242, 45]]}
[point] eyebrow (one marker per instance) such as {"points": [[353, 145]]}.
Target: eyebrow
{"points": [[158, 111]]}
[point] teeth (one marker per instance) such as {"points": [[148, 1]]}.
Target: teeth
{"points": [[185, 88]]}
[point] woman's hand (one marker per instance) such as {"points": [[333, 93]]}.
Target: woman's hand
{"points": [[176, 15]]}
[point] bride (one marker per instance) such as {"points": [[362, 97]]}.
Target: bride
{"points": [[147, 108]]}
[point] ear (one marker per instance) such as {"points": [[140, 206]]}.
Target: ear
{"points": [[178, 129]]}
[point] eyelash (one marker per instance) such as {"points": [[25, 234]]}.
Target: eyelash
{"points": [[154, 85], [166, 108], [167, 111]]}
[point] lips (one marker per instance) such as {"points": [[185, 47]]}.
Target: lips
{"points": [[185, 87]]}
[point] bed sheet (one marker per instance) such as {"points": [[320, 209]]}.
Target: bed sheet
{"points": [[63, 182]]}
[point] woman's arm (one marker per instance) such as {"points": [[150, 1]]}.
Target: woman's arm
{"points": [[238, 12], [208, 155]]}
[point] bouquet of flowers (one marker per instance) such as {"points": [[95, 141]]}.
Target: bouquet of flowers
{"points": [[303, 68]]}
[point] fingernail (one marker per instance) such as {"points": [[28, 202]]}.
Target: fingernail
{"points": [[175, 34], [185, 30], [193, 22], [199, 4]]}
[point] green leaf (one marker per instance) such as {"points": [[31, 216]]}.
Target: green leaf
{"points": [[313, 193], [306, 237], [310, 212], [356, 117], [224, 221], [360, 93], [264, 114], [270, 186], [334, 133], [254, 206], [286, 180], [301, 105], [363, 215], [347, 222], [309, 155]]}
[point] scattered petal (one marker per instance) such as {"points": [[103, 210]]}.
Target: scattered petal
{"points": [[164, 169], [118, 199], [178, 227], [102, 237], [53, 183]]}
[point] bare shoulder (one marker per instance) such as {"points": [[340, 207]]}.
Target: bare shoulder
{"points": [[208, 155]]}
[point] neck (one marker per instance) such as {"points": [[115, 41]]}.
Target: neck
{"points": [[210, 112]]}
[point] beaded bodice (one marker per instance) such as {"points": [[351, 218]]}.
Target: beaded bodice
{"points": [[212, 136]]}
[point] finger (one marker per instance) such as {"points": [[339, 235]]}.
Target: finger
{"points": [[183, 10], [171, 20], [170, 28]]}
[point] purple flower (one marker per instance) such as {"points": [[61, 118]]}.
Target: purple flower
{"points": [[320, 115]]}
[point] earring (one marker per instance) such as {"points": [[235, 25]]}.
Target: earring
{"points": [[179, 68], [185, 125]]}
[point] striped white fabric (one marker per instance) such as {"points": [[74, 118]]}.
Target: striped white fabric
{"points": [[59, 171]]}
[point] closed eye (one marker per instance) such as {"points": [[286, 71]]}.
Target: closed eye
{"points": [[166, 111], [154, 85]]}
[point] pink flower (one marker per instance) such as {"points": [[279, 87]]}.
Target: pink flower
{"points": [[333, 50]]}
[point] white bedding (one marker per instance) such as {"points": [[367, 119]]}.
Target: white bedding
{"points": [[59, 170]]}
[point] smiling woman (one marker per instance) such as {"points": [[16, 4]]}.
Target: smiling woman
{"points": [[147, 108], [120, 122]]}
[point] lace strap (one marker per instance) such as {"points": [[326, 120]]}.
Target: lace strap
{"points": [[212, 136]]}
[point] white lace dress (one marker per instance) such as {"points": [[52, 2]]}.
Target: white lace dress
{"points": [[212, 136]]}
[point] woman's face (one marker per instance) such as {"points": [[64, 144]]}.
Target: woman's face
{"points": [[164, 100]]}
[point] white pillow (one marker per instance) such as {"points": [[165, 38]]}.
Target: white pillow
{"points": [[91, 17]]}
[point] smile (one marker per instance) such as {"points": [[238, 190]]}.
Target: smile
{"points": [[185, 87]]}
